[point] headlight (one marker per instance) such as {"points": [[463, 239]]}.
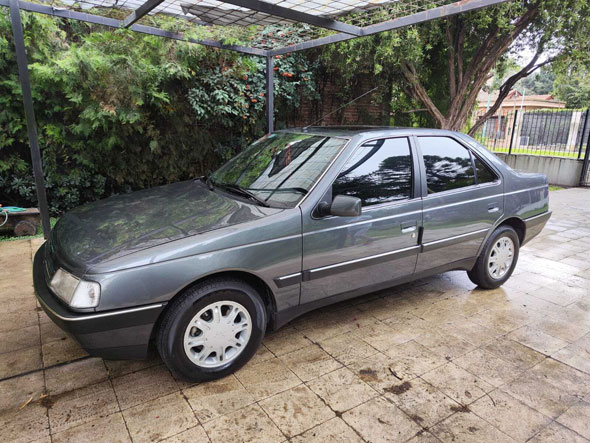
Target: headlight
{"points": [[75, 292]]}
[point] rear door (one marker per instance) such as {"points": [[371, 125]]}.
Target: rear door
{"points": [[344, 254], [463, 198]]}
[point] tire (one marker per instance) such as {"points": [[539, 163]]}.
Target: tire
{"points": [[482, 274], [226, 296]]}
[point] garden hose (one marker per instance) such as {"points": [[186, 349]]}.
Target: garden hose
{"points": [[5, 210]]}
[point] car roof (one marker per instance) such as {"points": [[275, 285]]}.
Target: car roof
{"points": [[351, 131]]}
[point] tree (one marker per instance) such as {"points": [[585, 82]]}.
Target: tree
{"points": [[538, 84], [442, 65], [573, 85]]}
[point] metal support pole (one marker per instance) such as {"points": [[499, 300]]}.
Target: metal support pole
{"points": [[513, 131], [583, 181], [270, 100], [25, 83], [582, 135]]}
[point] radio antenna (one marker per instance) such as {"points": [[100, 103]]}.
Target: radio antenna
{"points": [[338, 109]]}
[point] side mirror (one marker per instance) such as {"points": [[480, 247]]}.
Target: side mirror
{"points": [[346, 206]]}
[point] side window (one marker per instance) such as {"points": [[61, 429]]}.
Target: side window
{"points": [[378, 172], [484, 174], [448, 164]]}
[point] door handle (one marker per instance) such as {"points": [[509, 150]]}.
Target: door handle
{"points": [[406, 228], [493, 208]]}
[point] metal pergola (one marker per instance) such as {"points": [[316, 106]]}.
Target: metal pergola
{"points": [[311, 24]]}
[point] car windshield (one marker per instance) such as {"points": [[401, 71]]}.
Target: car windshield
{"points": [[278, 169]]}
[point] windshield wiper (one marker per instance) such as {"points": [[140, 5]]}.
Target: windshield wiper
{"points": [[237, 189]]}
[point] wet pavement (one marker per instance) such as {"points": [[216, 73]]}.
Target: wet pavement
{"points": [[434, 360]]}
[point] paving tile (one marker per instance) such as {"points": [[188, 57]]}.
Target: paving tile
{"points": [[574, 356], [332, 431], [27, 424], [446, 345], [109, 429], [15, 392], [556, 433], [513, 352], [81, 406], [347, 348], [380, 421], [192, 435], [117, 368], [562, 376], [342, 389], [310, 362], [266, 379], [160, 418], [540, 395], [262, 355], [576, 418], [21, 361], [466, 427], [296, 410], [379, 373], [75, 375], [425, 404], [19, 339], [61, 351], [141, 386], [537, 340], [51, 332], [213, 399], [457, 383], [10, 321], [413, 359], [488, 367], [510, 415], [250, 424], [285, 340]]}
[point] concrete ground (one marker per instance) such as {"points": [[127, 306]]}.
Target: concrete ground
{"points": [[435, 360]]}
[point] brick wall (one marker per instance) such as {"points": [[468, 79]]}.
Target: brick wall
{"points": [[362, 112]]}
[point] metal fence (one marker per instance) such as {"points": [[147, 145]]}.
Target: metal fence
{"points": [[553, 132]]}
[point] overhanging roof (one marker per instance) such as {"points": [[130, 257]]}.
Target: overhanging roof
{"points": [[253, 26]]}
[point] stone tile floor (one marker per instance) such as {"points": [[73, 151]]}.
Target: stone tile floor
{"points": [[435, 360]]}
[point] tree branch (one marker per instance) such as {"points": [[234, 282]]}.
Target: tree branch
{"points": [[507, 86], [419, 93], [451, 62]]}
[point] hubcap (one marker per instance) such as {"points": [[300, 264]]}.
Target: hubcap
{"points": [[217, 334], [501, 257]]}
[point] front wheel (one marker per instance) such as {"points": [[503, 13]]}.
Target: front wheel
{"points": [[211, 330], [497, 260]]}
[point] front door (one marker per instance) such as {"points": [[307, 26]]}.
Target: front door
{"points": [[345, 254], [464, 199]]}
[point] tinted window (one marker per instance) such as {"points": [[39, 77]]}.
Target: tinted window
{"points": [[378, 172], [448, 164], [484, 174]]}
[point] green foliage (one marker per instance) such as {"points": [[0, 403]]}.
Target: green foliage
{"points": [[119, 110]]}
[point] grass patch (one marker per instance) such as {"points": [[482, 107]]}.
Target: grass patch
{"points": [[548, 153], [555, 188], [9, 235]]}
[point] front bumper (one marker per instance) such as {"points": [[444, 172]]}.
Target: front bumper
{"points": [[534, 225], [119, 334]]}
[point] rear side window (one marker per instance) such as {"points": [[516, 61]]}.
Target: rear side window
{"points": [[378, 172], [448, 164], [484, 174]]}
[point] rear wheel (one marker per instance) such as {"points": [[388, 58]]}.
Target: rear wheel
{"points": [[212, 329], [497, 260]]}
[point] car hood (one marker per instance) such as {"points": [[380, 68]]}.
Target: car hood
{"points": [[120, 225]]}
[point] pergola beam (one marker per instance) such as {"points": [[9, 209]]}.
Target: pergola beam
{"points": [[390, 25], [296, 16], [114, 23], [143, 10]]}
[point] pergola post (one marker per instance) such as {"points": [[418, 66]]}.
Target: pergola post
{"points": [[270, 100], [25, 83]]}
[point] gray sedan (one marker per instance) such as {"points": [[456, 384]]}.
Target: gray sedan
{"points": [[300, 219]]}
